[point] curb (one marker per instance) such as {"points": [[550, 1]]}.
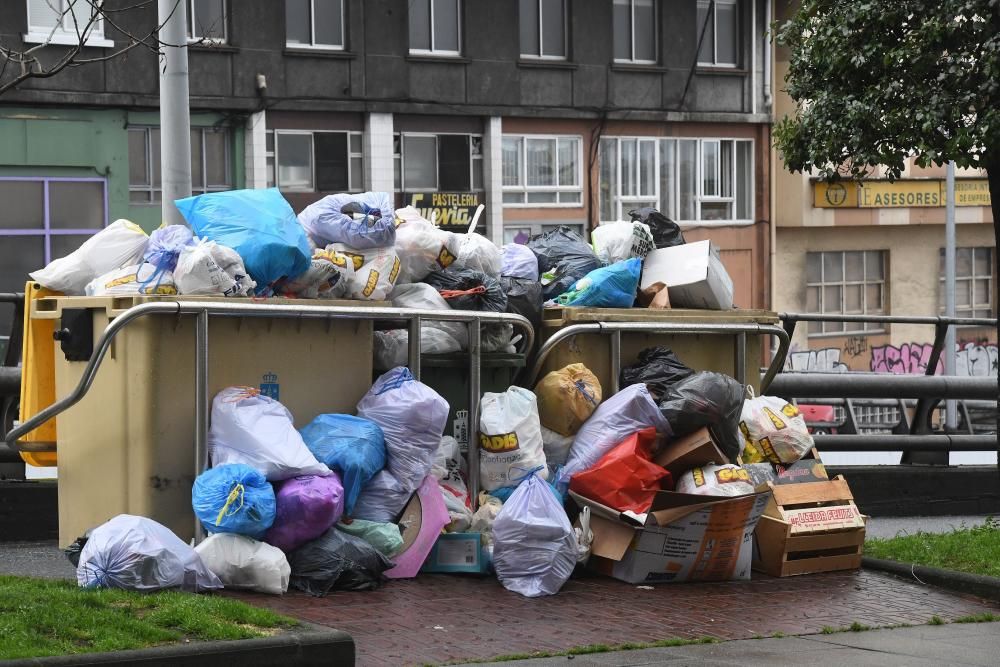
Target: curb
{"points": [[962, 582], [312, 645]]}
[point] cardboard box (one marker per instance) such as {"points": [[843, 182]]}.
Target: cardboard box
{"points": [[458, 552], [682, 538], [423, 519], [694, 275], [804, 470], [690, 451]]}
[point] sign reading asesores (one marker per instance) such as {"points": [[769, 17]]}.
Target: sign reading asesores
{"points": [[905, 193], [454, 209]]}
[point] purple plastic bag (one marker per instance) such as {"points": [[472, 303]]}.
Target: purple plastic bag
{"points": [[307, 507]]}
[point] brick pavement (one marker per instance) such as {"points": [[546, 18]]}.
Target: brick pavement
{"points": [[441, 618]]}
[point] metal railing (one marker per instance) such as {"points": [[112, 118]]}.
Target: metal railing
{"points": [[10, 374], [203, 311]]}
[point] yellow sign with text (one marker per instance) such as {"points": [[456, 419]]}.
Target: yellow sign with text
{"points": [[900, 194]]}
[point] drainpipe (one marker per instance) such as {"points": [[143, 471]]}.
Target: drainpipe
{"points": [[770, 56]]}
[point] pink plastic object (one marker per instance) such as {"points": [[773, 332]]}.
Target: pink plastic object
{"points": [[423, 520], [307, 507]]}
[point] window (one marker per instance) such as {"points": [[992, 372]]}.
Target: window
{"points": [[65, 22], [543, 28], [973, 282], [438, 162], [845, 283], [634, 25], [43, 219], [542, 171], [692, 180], [435, 27], [210, 170], [315, 161], [718, 29], [314, 24], [206, 19]]}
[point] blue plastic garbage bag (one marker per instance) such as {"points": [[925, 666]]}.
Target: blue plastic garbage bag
{"points": [[611, 286], [329, 220], [258, 224], [352, 446], [234, 498]]}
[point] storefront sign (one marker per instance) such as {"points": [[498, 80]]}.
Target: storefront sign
{"points": [[454, 209], [899, 194]]}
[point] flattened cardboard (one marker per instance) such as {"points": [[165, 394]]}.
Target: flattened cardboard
{"points": [[690, 451], [804, 470], [422, 521]]}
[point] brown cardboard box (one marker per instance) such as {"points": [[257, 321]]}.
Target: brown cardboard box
{"points": [[690, 451]]}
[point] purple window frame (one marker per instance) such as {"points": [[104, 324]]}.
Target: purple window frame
{"points": [[46, 230]]}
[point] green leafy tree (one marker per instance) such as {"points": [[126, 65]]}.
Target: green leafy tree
{"points": [[876, 82]]}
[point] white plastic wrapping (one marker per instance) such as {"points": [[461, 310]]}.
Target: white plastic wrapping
{"points": [[422, 247], [257, 430], [510, 438], [617, 241], [210, 269], [485, 517], [375, 271], [449, 471], [713, 480], [136, 279], [556, 447], [392, 347], [423, 296], [328, 277], [534, 546], [122, 243], [244, 563], [478, 253], [774, 431], [138, 554]]}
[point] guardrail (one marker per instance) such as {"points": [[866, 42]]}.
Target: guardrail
{"points": [[203, 311]]}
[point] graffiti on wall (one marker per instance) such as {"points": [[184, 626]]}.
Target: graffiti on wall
{"points": [[827, 359], [973, 359]]}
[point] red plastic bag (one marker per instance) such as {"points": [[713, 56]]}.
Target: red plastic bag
{"points": [[625, 478]]}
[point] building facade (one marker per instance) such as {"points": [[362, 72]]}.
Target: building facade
{"points": [[548, 112], [877, 248]]}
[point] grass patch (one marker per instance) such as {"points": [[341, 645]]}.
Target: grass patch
{"points": [[970, 550], [985, 617], [853, 627], [599, 648], [936, 620], [46, 617]]}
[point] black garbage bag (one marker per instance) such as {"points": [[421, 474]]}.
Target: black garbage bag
{"points": [[524, 298], [706, 399], [565, 254], [337, 561], [465, 289], [74, 550], [658, 368], [665, 231]]}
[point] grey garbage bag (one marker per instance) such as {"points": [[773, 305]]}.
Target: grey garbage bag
{"points": [[565, 256], [337, 561]]}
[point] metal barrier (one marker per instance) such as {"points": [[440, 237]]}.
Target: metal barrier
{"points": [[203, 311], [614, 331], [10, 374]]}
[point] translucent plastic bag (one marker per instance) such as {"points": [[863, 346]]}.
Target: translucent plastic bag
{"points": [[375, 272], [465, 289], [556, 447], [567, 397], [122, 243], [519, 262], [337, 561], [631, 409], [534, 546], [617, 241], [712, 480], [422, 247], [510, 438], [392, 347], [129, 280], [138, 554], [658, 368], [484, 517], [328, 277], [165, 246], [383, 536], [706, 399], [209, 269], [258, 431], [307, 507], [607, 287], [331, 220], [234, 498], [412, 417], [243, 563], [774, 431], [351, 446], [382, 499], [423, 296], [449, 471], [478, 253], [258, 224], [563, 258]]}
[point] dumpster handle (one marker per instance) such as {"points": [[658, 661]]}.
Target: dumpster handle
{"points": [[615, 329]]}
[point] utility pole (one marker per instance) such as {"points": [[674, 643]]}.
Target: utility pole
{"points": [[951, 413], [175, 121]]}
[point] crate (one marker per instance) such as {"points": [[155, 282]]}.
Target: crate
{"points": [[808, 528]]}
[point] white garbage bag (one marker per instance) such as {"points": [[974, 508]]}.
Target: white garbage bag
{"points": [[713, 480], [425, 297], [328, 277], [519, 262], [774, 431], [210, 269], [122, 243], [257, 430], [422, 247], [556, 447], [138, 554], [392, 347], [631, 409], [449, 470], [478, 253], [617, 241], [142, 278], [375, 271], [534, 546], [510, 438], [244, 563]]}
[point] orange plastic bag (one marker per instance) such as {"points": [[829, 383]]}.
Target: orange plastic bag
{"points": [[625, 478]]}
